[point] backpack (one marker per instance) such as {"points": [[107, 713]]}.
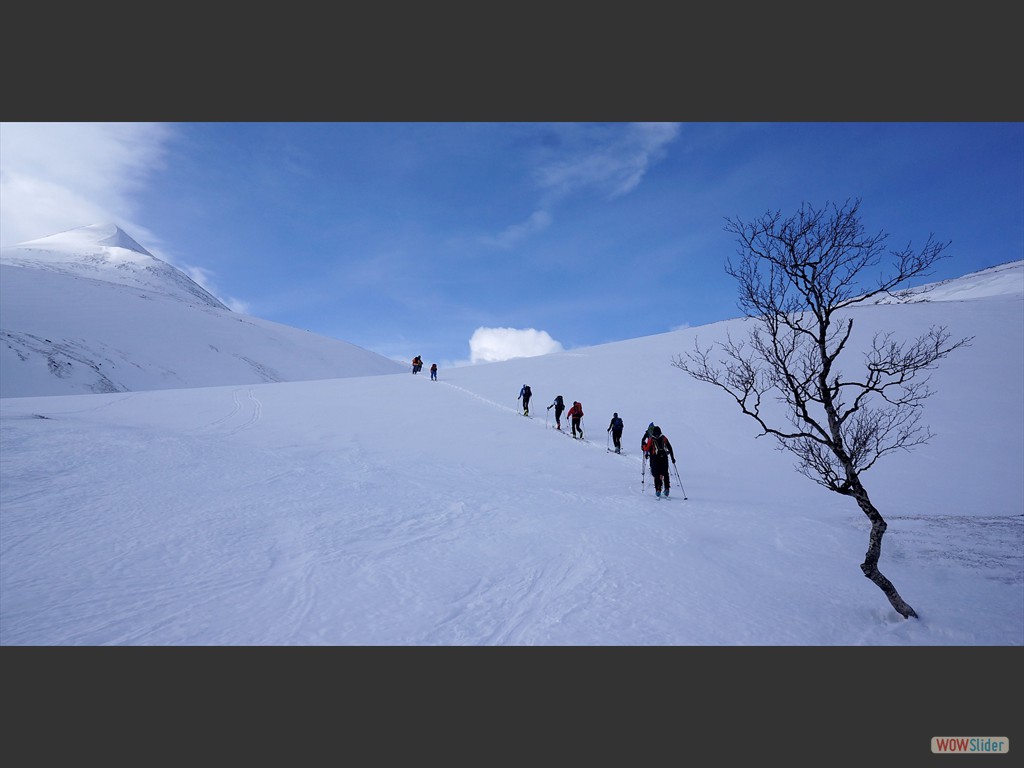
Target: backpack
{"points": [[655, 443], [527, 392], [559, 402], [617, 424], [577, 409]]}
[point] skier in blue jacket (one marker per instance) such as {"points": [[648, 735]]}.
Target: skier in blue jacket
{"points": [[525, 394], [615, 427]]}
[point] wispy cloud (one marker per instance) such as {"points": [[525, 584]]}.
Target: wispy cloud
{"points": [[605, 160], [538, 221], [610, 165], [59, 176], [204, 279]]}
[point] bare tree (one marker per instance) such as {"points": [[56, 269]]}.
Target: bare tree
{"points": [[795, 276]]}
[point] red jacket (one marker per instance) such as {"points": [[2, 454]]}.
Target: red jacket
{"points": [[576, 412]]}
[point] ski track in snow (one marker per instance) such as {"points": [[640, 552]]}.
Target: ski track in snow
{"points": [[254, 410], [536, 417]]}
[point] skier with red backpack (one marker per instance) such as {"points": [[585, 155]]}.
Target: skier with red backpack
{"points": [[575, 414], [658, 450]]}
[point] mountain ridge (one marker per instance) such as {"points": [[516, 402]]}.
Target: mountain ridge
{"points": [[106, 252], [71, 307], [91, 310]]}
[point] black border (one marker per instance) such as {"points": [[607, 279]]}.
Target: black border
{"points": [[523, 63], [518, 706]]}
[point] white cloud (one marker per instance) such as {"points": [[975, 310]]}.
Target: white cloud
{"points": [[59, 176], [490, 345]]}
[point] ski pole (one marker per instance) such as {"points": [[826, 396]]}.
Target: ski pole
{"points": [[643, 474], [681, 488]]}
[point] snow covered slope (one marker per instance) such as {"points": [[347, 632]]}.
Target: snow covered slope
{"points": [[395, 510], [90, 310]]}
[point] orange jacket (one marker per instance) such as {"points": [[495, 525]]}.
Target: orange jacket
{"points": [[666, 446]]}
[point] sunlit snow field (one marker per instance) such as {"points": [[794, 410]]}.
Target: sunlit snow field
{"points": [[387, 509]]}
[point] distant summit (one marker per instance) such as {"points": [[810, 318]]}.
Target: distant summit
{"points": [[100, 235], [106, 252], [112, 235], [90, 310], [76, 239]]}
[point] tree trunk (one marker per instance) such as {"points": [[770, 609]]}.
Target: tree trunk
{"points": [[870, 564]]}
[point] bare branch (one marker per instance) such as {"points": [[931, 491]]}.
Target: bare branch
{"points": [[794, 275]]}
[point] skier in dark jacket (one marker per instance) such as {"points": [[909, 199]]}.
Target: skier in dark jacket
{"points": [[433, 371], [658, 451], [525, 394], [559, 406], [615, 427]]}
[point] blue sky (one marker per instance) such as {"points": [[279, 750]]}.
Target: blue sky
{"points": [[469, 242]]}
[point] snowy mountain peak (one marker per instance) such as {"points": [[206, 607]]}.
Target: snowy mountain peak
{"points": [[106, 252], [88, 239], [114, 236], [91, 310]]}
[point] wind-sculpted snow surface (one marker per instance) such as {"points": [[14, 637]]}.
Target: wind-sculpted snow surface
{"points": [[393, 510]]}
